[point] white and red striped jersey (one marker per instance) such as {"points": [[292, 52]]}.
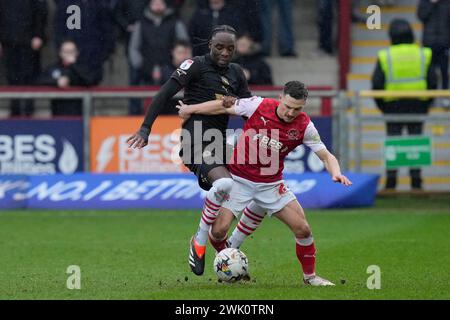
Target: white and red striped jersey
{"points": [[267, 140]]}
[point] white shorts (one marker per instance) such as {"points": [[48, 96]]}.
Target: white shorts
{"points": [[272, 196]]}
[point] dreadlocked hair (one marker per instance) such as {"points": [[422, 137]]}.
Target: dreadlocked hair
{"points": [[223, 28], [217, 29]]}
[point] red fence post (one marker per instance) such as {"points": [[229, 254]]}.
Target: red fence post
{"points": [[344, 41], [325, 106]]}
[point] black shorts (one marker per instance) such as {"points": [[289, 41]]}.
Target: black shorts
{"points": [[201, 160]]}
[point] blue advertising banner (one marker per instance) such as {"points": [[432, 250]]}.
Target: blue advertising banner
{"points": [[301, 159], [12, 187], [165, 191], [41, 146]]}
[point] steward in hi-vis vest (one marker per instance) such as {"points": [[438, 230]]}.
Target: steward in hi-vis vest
{"points": [[403, 66]]}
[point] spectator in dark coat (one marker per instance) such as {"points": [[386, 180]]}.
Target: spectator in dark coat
{"points": [[96, 37], [435, 16], [151, 42], [203, 20], [22, 25], [180, 52], [126, 13], [286, 39], [249, 56], [67, 72], [251, 10], [153, 38], [325, 25]]}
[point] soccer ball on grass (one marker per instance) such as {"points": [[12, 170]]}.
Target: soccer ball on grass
{"points": [[231, 265]]}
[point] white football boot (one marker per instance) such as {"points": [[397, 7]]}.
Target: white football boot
{"points": [[317, 281]]}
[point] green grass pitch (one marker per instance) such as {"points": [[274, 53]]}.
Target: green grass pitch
{"points": [[140, 254]]}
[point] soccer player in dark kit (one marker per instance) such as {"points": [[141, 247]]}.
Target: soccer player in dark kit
{"points": [[204, 78]]}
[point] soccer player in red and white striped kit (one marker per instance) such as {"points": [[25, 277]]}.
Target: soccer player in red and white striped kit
{"points": [[272, 130]]}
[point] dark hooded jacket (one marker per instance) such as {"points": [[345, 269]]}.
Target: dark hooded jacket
{"points": [[20, 21], [153, 39], [436, 22], [260, 71]]}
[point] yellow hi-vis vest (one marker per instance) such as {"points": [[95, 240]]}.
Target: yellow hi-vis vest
{"points": [[405, 67]]}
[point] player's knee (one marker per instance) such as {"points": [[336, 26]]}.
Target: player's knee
{"points": [[223, 185], [302, 231], [219, 230]]}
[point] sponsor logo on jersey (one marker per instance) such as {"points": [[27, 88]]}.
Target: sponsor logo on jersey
{"points": [[268, 143], [293, 134], [316, 138], [225, 81], [225, 89], [186, 64]]}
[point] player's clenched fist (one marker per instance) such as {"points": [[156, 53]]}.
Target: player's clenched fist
{"points": [[228, 101]]}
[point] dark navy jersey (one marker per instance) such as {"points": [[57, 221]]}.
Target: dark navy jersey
{"points": [[203, 81]]}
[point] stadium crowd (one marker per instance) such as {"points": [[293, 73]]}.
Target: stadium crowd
{"points": [[157, 35], [154, 33]]}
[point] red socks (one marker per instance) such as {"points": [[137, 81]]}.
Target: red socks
{"points": [[307, 257], [219, 245]]}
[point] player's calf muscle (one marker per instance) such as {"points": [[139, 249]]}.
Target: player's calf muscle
{"points": [[221, 226]]}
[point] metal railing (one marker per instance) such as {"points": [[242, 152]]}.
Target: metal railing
{"points": [[359, 129], [360, 118]]}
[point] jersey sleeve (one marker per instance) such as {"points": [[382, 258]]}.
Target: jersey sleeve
{"points": [[187, 71], [244, 92], [312, 138], [247, 106]]}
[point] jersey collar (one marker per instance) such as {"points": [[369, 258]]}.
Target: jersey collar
{"points": [[276, 113]]}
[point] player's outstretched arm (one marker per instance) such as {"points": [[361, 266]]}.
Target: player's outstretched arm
{"points": [[167, 91], [332, 166], [212, 107]]}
